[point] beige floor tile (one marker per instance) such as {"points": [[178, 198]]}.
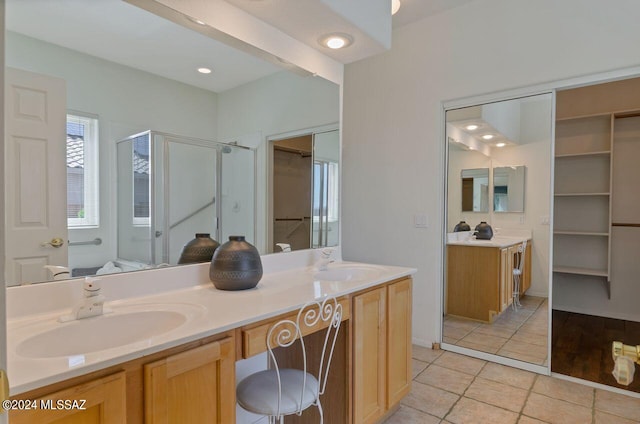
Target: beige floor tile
{"points": [[538, 360], [455, 332], [508, 375], [525, 348], [529, 420], [425, 354], [461, 323], [430, 399], [497, 394], [485, 340], [535, 328], [449, 340], [417, 367], [460, 363], [507, 323], [564, 390], [556, 411], [604, 418], [617, 404], [481, 348], [406, 415], [495, 330], [528, 337], [469, 411], [446, 379]]}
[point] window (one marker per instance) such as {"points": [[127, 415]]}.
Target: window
{"points": [[141, 180], [325, 191], [82, 172]]}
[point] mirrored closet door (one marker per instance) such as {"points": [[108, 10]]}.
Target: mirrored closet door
{"points": [[496, 284]]}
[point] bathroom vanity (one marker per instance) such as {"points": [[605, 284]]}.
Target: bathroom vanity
{"points": [[187, 373], [480, 275]]}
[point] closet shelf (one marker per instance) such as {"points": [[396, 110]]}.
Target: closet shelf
{"points": [[583, 154], [580, 194], [581, 271], [581, 233]]}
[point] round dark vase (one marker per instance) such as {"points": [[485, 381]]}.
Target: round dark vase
{"points": [[235, 265], [461, 226], [200, 249], [483, 231]]}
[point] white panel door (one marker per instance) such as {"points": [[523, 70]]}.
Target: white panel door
{"points": [[36, 182]]}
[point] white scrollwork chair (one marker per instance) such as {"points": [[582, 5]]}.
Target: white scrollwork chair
{"points": [[518, 266], [277, 392]]}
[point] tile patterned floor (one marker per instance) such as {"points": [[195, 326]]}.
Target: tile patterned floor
{"points": [[449, 388], [520, 334]]}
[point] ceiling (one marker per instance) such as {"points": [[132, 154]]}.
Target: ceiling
{"points": [[120, 32], [125, 34]]}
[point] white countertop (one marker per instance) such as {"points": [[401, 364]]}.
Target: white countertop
{"points": [[210, 311], [504, 239]]}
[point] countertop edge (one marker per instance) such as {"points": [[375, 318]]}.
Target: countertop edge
{"points": [[55, 377]]}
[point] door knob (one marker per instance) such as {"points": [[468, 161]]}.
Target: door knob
{"points": [[55, 242]]}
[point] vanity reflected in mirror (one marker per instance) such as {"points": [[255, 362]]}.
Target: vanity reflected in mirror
{"points": [[130, 204], [496, 290]]}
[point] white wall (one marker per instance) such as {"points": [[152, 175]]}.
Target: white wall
{"points": [[393, 158], [277, 104], [127, 101]]}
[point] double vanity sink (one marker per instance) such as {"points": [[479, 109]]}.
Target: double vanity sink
{"points": [[42, 350], [139, 323]]}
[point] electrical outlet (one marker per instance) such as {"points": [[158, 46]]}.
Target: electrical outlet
{"points": [[521, 220], [544, 220]]}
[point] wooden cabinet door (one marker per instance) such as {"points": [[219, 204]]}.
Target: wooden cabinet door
{"points": [[100, 401], [196, 386], [369, 356], [398, 341]]}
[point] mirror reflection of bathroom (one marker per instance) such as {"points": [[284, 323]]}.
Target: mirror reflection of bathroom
{"points": [[497, 280], [596, 234], [305, 191], [96, 87]]}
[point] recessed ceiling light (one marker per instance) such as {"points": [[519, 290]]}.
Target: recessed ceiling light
{"points": [[395, 5], [501, 144], [487, 136], [336, 40], [471, 127], [204, 70]]}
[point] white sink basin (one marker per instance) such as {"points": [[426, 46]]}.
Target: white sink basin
{"points": [[347, 272], [103, 332]]}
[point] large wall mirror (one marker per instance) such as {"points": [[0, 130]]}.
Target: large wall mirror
{"points": [[486, 307], [137, 150]]}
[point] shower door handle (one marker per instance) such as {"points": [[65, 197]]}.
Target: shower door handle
{"points": [[158, 234]]}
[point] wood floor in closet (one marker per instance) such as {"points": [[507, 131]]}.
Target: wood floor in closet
{"points": [[581, 346]]}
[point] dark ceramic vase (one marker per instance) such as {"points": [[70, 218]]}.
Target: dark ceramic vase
{"points": [[200, 249], [483, 231], [235, 265], [461, 226]]}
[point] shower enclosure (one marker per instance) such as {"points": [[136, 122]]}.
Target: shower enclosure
{"points": [[172, 187]]}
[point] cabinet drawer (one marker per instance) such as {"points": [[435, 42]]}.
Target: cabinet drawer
{"points": [[254, 339]]}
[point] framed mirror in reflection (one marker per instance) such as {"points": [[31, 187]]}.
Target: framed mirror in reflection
{"points": [[475, 190], [508, 188], [496, 291], [202, 170]]}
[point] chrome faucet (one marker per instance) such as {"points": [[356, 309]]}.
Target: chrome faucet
{"points": [[325, 259], [91, 305]]}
